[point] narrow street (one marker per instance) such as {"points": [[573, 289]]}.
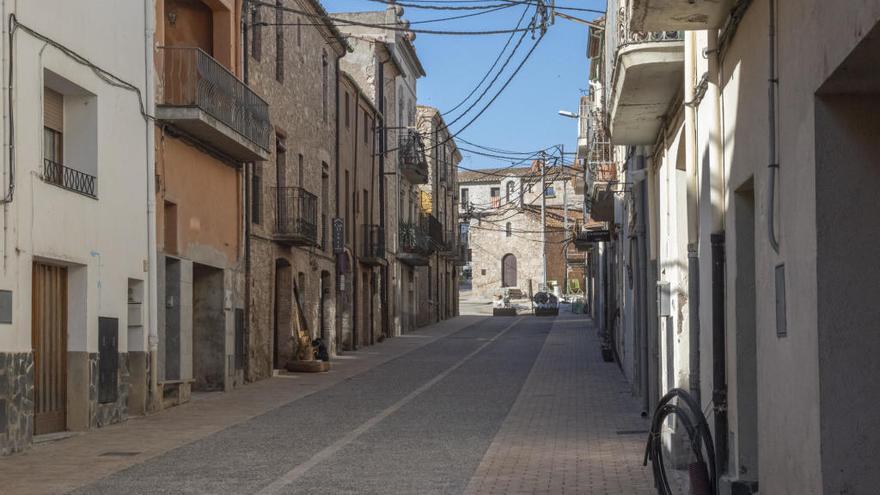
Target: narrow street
{"points": [[471, 405]]}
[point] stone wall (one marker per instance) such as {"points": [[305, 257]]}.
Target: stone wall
{"points": [[111, 412], [16, 401]]}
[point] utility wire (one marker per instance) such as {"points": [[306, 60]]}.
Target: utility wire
{"points": [[400, 28]]}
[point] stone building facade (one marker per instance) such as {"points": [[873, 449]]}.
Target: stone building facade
{"points": [[359, 271], [507, 249], [439, 281], [389, 55], [292, 195]]}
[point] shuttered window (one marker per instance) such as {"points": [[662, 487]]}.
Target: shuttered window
{"points": [[53, 125]]}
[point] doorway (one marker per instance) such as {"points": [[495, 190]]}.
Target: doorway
{"points": [[209, 329], [49, 337], [746, 354], [366, 313], [282, 311], [508, 270], [325, 293]]}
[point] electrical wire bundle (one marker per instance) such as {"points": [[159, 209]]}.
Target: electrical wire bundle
{"points": [[702, 471]]}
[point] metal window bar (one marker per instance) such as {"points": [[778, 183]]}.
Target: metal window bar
{"points": [[373, 242], [70, 179], [297, 212], [414, 239], [192, 78], [411, 150]]}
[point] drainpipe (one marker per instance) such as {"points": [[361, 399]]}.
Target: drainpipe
{"points": [[152, 255], [248, 174], [642, 282], [382, 146], [692, 216], [719, 377], [773, 167], [339, 295]]}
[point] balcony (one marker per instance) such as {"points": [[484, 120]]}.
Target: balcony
{"points": [[296, 217], [70, 179], [372, 245], [647, 73], [207, 102], [575, 256], [411, 158], [679, 15], [448, 245], [463, 255], [583, 238], [415, 244]]}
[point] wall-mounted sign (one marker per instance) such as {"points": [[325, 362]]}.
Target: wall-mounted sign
{"points": [[595, 236], [338, 235]]}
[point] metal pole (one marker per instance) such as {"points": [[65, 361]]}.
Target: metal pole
{"points": [[544, 218]]}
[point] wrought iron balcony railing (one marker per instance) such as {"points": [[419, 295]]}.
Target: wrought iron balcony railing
{"points": [[372, 244], [414, 239], [70, 179], [411, 157], [192, 78], [296, 216], [448, 246], [434, 229]]}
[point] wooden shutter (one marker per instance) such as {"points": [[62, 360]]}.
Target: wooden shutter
{"points": [[53, 110]]}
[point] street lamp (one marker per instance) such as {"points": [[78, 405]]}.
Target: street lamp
{"points": [[566, 113]]}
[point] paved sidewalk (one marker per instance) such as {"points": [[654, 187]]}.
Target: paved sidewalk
{"points": [[571, 427], [59, 467]]}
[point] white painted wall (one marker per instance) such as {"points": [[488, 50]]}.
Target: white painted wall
{"points": [[103, 241]]}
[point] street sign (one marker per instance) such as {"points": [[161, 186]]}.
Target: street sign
{"points": [[338, 235], [595, 236]]}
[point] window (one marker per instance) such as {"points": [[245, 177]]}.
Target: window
{"points": [[279, 41], [509, 191], [346, 210], [257, 35], [550, 192], [495, 192], [464, 196], [325, 70], [299, 37], [325, 203], [280, 161], [53, 126], [347, 111], [300, 171], [508, 231], [366, 127], [256, 195]]}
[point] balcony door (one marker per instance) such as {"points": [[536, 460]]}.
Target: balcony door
{"points": [[189, 23]]}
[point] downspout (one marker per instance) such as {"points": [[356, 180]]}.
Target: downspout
{"points": [[355, 268], [716, 200], [642, 283], [248, 176], [773, 167], [719, 375], [339, 295], [690, 83], [382, 144], [152, 255]]}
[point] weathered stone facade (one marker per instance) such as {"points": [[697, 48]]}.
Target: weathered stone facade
{"points": [[103, 414], [298, 79], [16, 401], [505, 220]]}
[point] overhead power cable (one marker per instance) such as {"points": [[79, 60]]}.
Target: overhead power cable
{"points": [[492, 68], [400, 28], [393, 24]]}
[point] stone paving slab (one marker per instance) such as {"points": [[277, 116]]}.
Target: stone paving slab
{"points": [[62, 466], [563, 434]]}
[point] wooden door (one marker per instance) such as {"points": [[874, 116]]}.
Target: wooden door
{"points": [[508, 271], [49, 337]]}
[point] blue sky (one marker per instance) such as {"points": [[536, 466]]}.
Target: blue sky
{"points": [[525, 116]]}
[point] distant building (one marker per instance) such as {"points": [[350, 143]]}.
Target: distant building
{"points": [[505, 233]]}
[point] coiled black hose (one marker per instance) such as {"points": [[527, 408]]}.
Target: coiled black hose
{"points": [[702, 472]]}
